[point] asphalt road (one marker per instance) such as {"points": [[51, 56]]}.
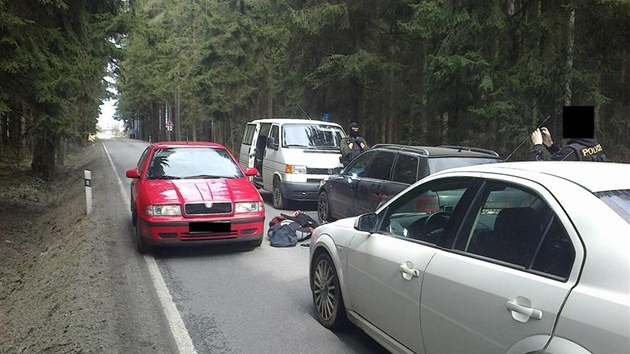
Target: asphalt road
{"points": [[235, 300]]}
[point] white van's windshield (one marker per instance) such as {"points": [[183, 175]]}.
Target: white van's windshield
{"points": [[311, 136]]}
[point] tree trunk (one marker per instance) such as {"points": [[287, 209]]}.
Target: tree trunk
{"points": [[61, 151], [194, 129], [570, 46], [43, 164]]}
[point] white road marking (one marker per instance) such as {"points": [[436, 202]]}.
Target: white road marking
{"points": [[175, 322]]}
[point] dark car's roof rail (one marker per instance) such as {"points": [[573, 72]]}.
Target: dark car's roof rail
{"points": [[402, 148], [468, 148]]}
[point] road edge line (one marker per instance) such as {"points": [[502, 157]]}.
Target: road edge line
{"points": [[175, 322]]}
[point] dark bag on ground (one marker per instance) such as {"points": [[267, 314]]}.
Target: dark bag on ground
{"points": [[282, 234]]}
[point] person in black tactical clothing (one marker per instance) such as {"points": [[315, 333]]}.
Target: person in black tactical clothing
{"points": [[577, 149], [352, 145]]}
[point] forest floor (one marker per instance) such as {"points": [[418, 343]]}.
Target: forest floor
{"points": [[59, 266]]}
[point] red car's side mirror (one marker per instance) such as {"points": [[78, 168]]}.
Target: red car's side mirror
{"points": [[251, 171], [133, 173]]}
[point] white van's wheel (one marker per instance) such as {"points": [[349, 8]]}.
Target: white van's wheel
{"points": [[279, 202]]}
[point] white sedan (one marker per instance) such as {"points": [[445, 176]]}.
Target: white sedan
{"points": [[515, 257]]}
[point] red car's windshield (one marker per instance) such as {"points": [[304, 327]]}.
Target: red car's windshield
{"points": [[192, 162]]}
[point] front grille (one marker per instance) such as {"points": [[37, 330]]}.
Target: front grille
{"points": [[319, 171], [191, 236], [213, 208]]}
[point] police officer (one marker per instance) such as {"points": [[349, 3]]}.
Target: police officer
{"points": [[352, 145], [575, 150]]}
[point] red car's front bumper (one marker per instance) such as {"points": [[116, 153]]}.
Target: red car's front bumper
{"points": [[184, 230]]}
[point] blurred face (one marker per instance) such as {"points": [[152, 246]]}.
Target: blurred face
{"points": [[355, 129]]}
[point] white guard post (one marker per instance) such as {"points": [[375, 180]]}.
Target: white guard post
{"points": [[87, 177]]}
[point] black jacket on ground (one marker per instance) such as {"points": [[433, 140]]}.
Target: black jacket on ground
{"points": [[575, 150]]}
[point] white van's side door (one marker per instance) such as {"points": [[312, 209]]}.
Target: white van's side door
{"points": [[273, 159], [248, 146]]}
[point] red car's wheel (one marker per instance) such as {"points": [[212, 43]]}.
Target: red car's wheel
{"points": [[141, 244]]}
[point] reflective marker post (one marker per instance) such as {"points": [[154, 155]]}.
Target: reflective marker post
{"points": [[87, 178]]}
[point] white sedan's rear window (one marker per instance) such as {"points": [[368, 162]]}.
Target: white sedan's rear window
{"points": [[618, 200]]}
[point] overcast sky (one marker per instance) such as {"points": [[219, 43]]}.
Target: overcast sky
{"points": [[106, 119]]}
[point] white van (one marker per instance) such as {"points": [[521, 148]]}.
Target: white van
{"points": [[292, 156]]}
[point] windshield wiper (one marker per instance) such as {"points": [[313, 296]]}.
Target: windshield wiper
{"points": [[165, 177], [298, 146], [203, 177]]}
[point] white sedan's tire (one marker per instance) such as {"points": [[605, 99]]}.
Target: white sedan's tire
{"points": [[331, 312]]}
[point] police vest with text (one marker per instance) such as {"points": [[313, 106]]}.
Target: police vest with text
{"points": [[589, 153]]}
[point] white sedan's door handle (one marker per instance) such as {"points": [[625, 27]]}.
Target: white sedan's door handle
{"points": [[524, 310], [407, 271]]}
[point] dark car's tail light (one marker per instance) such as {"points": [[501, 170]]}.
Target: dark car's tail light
{"points": [[428, 204]]}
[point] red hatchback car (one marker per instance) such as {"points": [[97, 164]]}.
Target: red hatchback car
{"points": [[185, 193]]}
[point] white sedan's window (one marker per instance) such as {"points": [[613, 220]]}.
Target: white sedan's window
{"points": [[422, 214], [516, 227]]}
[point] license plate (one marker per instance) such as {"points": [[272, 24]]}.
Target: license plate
{"points": [[211, 226]]}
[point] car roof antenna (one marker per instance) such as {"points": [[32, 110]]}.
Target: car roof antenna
{"points": [[303, 111], [523, 142]]}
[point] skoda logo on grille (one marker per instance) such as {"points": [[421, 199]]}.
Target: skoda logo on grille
{"points": [[208, 205]]}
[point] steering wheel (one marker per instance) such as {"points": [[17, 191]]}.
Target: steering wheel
{"points": [[434, 223], [439, 218]]}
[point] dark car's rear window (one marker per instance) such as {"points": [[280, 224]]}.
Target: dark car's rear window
{"points": [[442, 163], [617, 200]]}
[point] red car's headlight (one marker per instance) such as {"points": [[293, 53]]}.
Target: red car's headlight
{"points": [[248, 207], [164, 210]]}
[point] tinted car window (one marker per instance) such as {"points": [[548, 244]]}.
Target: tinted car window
{"points": [[249, 134], [358, 166], [406, 169], [381, 166], [515, 226], [619, 201], [275, 134], [437, 164]]}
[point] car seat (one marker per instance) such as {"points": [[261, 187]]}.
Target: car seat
{"points": [[517, 234]]}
